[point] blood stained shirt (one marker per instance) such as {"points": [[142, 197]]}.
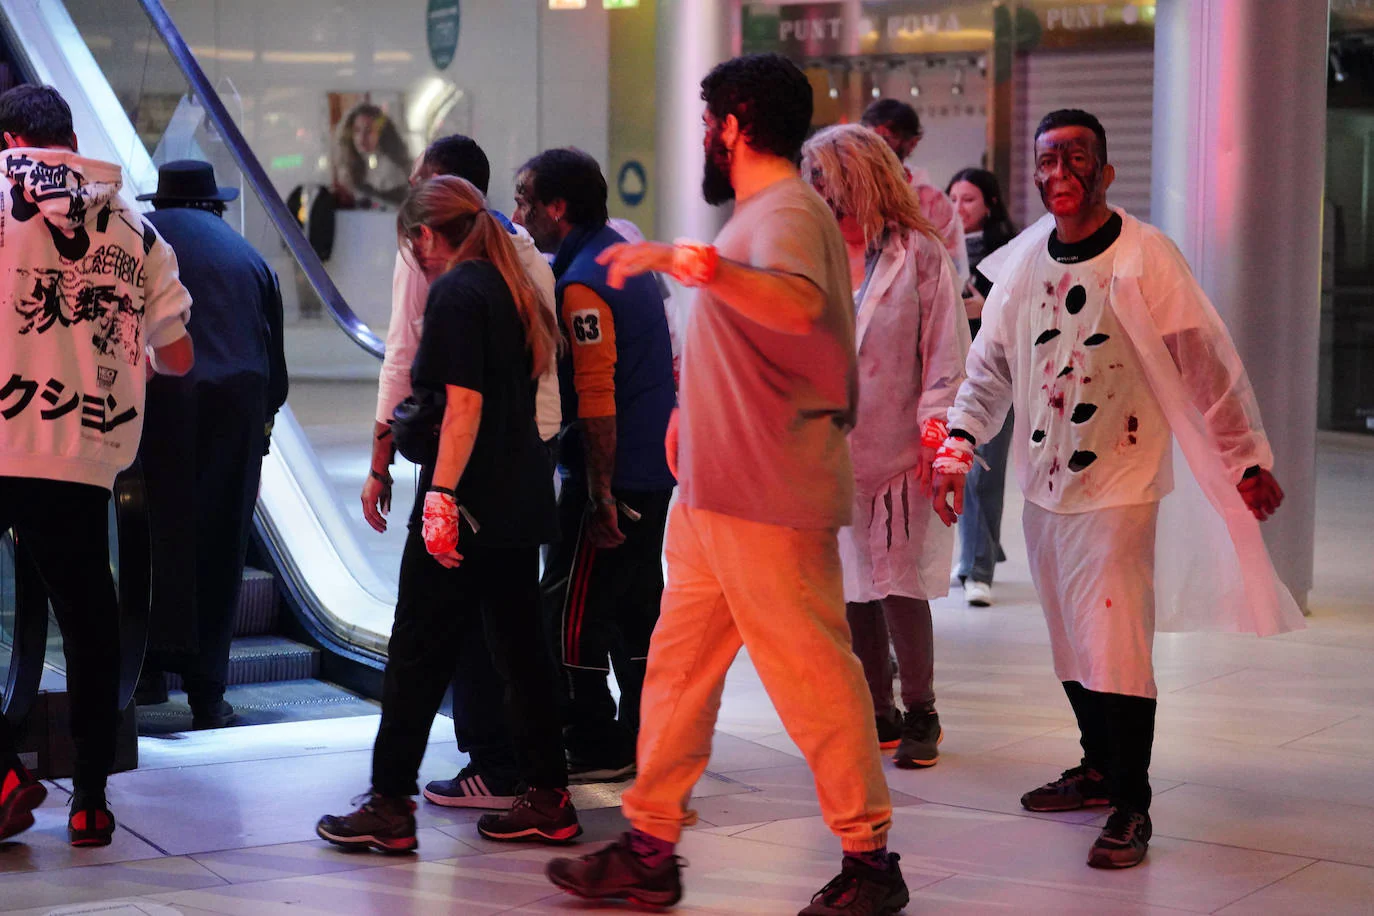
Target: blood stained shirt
{"points": [[1097, 436]]}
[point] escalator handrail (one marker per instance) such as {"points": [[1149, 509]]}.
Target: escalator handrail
{"points": [[256, 175]]}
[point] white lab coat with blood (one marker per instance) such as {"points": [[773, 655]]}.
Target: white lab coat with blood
{"points": [[1211, 570], [912, 339]]}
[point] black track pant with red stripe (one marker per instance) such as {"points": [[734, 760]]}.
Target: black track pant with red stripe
{"points": [[603, 605]]}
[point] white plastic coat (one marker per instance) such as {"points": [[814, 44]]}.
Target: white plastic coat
{"points": [[1212, 569], [912, 339]]}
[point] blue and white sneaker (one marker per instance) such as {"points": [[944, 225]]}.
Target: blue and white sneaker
{"points": [[472, 789]]}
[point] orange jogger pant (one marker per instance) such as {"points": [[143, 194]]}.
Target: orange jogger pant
{"points": [[779, 593]]}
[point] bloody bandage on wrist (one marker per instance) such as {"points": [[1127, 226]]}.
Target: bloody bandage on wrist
{"points": [[934, 432], [954, 457], [440, 523], [694, 263]]}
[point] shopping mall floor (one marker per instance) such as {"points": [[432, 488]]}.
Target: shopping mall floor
{"points": [[1263, 773]]}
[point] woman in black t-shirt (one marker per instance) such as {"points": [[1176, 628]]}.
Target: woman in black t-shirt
{"points": [[471, 563]]}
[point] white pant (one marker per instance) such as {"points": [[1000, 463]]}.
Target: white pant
{"points": [[1095, 572]]}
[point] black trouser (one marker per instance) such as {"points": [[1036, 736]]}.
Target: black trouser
{"points": [[202, 460], [1117, 733], [603, 605], [492, 599], [479, 711], [65, 529]]}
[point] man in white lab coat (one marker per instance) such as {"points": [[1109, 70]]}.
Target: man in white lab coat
{"points": [[1098, 334]]}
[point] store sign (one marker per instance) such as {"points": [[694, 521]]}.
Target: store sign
{"points": [[567, 4], [1063, 25], [441, 31], [914, 27], [799, 30], [619, 4], [632, 184]]}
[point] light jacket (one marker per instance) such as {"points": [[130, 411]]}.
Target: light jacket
{"points": [[87, 286], [1212, 569]]}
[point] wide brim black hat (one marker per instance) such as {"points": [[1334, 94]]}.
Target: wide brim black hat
{"points": [[189, 180]]}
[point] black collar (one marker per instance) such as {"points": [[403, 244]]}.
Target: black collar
{"points": [[1090, 247]]}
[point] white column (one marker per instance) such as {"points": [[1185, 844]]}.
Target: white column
{"points": [[1238, 174], [693, 36]]}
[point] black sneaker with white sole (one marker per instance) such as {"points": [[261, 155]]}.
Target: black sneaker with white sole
{"points": [[537, 815], [381, 823], [472, 788], [616, 872], [1078, 787], [601, 768], [861, 889], [1124, 840]]}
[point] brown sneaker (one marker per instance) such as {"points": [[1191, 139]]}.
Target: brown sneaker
{"points": [[542, 815], [381, 823], [1123, 841], [615, 872], [1080, 787]]}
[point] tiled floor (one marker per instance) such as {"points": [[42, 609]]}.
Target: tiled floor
{"points": [[1264, 774]]}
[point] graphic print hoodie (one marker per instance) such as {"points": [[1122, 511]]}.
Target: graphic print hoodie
{"points": [[86, 287]]}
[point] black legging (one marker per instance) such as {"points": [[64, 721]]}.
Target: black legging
{"points": [[492, 596], [1117, 733]]}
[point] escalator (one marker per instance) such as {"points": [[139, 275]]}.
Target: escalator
{"points": [[315, 612]]}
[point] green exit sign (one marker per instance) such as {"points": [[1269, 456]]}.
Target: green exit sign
{"points": [[619, 4]]}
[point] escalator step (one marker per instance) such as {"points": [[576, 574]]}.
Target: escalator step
{"points": [[266, 659], [256, 613]]}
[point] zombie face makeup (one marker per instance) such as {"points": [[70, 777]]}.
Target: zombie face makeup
{"points": [[1069, 172], [716, 187], [534, 216]]}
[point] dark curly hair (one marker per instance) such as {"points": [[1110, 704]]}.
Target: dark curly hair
{"points": [[769, 96], [574, 177]]}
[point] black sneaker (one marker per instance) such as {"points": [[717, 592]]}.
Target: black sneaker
{"points": [[582, 771], [384, 824], [1123, 842], [473, 789], [545, 815], [90, 823], [1080, 787], [20, 793], [151, 689], [861, 890], [921, 737], [615, 872], [889, 730], [216, 714]]}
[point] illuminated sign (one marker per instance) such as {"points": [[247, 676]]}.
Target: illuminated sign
{"points": [[567, 4], [619, 4]]}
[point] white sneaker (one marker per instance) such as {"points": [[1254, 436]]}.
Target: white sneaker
{"points": [[978, 594]]}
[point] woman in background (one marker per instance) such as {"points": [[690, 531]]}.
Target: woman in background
{"points": [[912, 342], [978, 201], [372, 164]]}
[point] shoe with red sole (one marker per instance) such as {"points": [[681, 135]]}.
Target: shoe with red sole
{"points": [[381, 823], [617, 872], [540, 815], [90, 823], [20, 794]]}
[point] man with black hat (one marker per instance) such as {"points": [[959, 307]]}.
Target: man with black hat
{"points": [[206, 436]]}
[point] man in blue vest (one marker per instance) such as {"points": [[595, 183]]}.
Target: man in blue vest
{"points": [[604, 580]]}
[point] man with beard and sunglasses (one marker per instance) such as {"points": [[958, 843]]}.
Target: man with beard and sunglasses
{"points": [[768, 393], [1099, 336]]}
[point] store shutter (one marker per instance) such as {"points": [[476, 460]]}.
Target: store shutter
{"points": [[1117, 85]]}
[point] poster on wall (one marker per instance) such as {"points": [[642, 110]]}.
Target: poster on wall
{"points": [[442, 19], [369, 158]]}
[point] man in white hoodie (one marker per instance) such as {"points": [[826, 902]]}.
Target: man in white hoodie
{"points": [[90, 303], [489, 779]]}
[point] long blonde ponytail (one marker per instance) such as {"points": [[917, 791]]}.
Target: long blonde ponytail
{"points": [[453, 208]]}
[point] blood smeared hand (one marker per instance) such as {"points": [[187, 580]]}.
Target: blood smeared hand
{"points": [[630, 259], [440, 528], [1262, 494], [947, 485]]}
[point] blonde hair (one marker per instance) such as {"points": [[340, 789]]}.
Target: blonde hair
{"points": [[455, 210], [858, 175]]}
